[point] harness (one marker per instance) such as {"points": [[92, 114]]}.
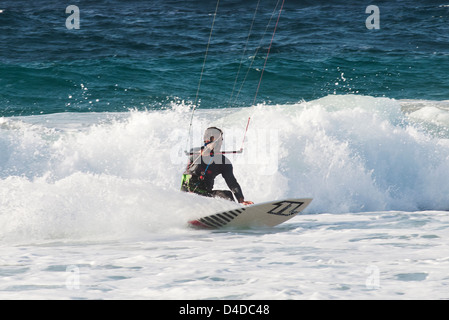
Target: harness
{"points": [[195, 183]]}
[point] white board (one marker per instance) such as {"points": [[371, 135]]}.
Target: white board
{"points": [[268, 214]]}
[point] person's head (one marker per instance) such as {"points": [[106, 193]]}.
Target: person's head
{"points": [[213, 138]]}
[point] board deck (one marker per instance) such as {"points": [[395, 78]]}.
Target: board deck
{"points": [[268, 214]]}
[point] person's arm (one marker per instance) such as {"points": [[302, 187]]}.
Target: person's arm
{"points": [[231, 181]]}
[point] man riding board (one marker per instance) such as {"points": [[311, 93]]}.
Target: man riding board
{"points": [[205, 164]]}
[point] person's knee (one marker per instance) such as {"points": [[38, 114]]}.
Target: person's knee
{"points": [[224, 194]]}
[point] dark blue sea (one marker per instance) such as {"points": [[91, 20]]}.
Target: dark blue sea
{"points": [[145, 54], [352, 111]]}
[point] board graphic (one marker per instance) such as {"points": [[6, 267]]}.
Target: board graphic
{"points": [[268, 214]]}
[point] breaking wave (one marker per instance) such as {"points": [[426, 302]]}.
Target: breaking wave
{"points": [[118, 174]]}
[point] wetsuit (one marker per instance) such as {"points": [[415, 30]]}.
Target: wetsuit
{"points": [[201, 172]]}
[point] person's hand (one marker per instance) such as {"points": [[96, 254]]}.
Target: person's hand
{"points": [[246, 203]]}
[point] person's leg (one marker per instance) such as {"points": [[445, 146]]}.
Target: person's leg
{"points": [[224, 194]]}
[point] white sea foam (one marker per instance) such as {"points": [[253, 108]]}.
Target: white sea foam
{"points": [[96, 197], [350, 153]]}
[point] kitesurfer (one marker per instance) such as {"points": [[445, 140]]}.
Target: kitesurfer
{"points": [[205, 164]]}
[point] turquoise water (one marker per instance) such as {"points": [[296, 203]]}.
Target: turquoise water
{"points": [[148, 54]]}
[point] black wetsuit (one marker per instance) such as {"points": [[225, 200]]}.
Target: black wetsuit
{"points": [[201, 172]]}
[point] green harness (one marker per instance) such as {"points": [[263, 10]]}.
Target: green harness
{"points": [[193, 184]]}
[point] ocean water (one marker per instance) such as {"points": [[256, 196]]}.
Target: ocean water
{"points": [[94, 123]]}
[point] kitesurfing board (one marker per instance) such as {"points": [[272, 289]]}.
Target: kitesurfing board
{"points": [[268, 214]]}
